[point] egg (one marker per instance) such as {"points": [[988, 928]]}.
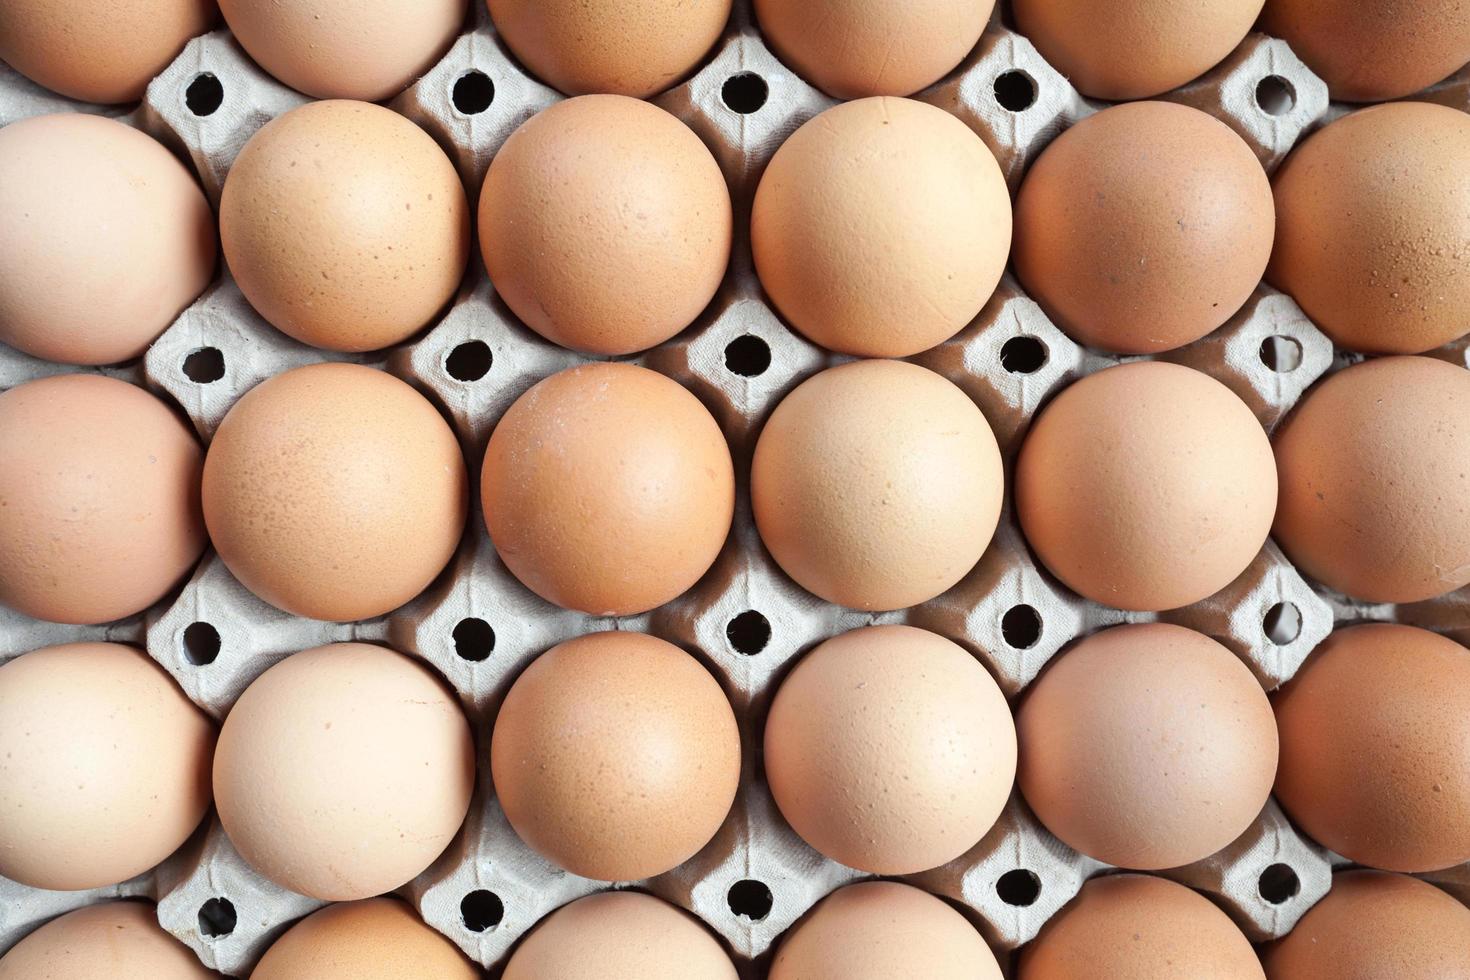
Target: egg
{"points": [[374, 939], [346, 49], [1146, 486], [881, 227], [605, 224], [345, 225], [105, 237], [1371, 228], [106, 769], [623, 47], [1373, 465], [619, 934], [1146, 746], [99, 499], [616, 756], [335, 492], [1137, 927], [608, 488], [103, 942], [890, 749], [97, 52], [1144, 227], [876, 930], [876, 484], [1134, 49], [343, 771]]}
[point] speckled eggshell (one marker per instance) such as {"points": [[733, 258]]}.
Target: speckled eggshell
{"points": [[343, 771], [619, 934], [1146, 486], [877, 930], [608, 488], [1375, 468], [105, 770], [605, 224], [374, 939], [616, 756], [99, 499], [1137, 927], [1147, 746], [876, 484], [881, 227], [335, 492], [345, 225], [109, 941], [890, 749], [105, 237], [1371, 228], [1144, 227]]}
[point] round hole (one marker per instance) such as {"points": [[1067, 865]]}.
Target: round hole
{"points": [[1279, 884], [201, 644], [205, 365], [472, 93], [1019, 887], [1021, 626], [217, 918], [744, 93], [470, 361], [481, 910], [1283, 623], [473, 639], [748, 633], [1015, 90], [1281, 354], [1275, 95], [204, 95], [1023, 355], [750, 899], [747, 356]]}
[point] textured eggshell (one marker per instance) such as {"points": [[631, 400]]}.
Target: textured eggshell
{"points": [[1137, 927], [1146, 486], [1144, 227], [1371, 228], [1134, 49], [1147, 746], [1375, 745], [343, 771], [375, 939], [605, 224], [335, 492], [110, 941], [881, 227], [99, 499], [877, 930], [345, 225], [106, 766], [624, 47], [876, 484], [346, 49], [1373, 926], [619, 934], [104, 237], [1375, 468], [890, 749], [608, 488], [616, 756]]}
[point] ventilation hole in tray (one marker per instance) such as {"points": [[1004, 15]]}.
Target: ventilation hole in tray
{"points": [[1021, 626], [205, 365], [748, 632], [744, 93], [1281, 354], [473, 639], [470, 361], [473, 92], [1020, 887], [1283, 623], [1279, 884], [217, 918], [201, 644], [481, 910], [748, 356], [750, 899], [1275, 95], [1023, 355], [204, 95], [1015, 90]]}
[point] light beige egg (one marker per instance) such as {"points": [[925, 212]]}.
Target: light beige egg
{"points": [[374, 939], [108, 941]]}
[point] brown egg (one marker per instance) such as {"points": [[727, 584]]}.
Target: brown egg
{"points": [[876, 484], [1147, 746], [608, 488], [619, 934], [109, 941], [99, 499], [345, 225], [1374, 465], [1371, 228], [890, 749], [334, 491], [876, 930], [1138, 927], [1146, 486], [375, 939], [881, 227], [104, 237], [1144, 227], [605, 224], [616, 755], [885, 49], [626, 47], [1134, 49], [346, 49], [343, 771], [106, 769], [1372, 926]]}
